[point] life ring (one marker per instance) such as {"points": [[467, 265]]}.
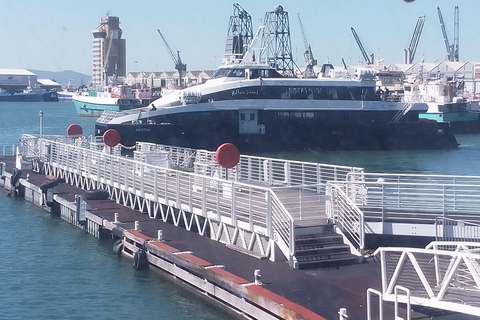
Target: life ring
{"points": [[118, 247], [140, 261], [96, 194]]}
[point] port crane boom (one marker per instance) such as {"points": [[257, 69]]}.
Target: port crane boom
{"points": [[368, 60], [452, 50], [310, 62], [412, 48], [179, 65]]}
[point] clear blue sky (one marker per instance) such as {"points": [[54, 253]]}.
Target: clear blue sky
{"points": [[56, 35]]}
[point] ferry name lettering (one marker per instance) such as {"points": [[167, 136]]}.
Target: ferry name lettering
{"points": [[244, 92], [143, 130]]}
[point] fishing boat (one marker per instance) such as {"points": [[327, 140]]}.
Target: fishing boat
{"points": [[67, 93], [112, 97], [445, 104], [258, 109], [31, 94]]}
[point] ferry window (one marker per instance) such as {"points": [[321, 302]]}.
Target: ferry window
{"points": [[408, 88], [308, 115], [237, 73], [333, 94], [221, 73], [242, 116], [252, 116]]}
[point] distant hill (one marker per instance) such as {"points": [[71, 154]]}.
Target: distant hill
{"points": [[63, 77]]}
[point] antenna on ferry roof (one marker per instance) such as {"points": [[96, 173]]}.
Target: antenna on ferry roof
{"points": [[249, 56]]}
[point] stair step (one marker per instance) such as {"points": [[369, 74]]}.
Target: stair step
{"points": [[329, 263], [318, 239], [321, 251]]}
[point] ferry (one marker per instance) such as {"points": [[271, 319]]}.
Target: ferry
{"points": [[258, 109]]}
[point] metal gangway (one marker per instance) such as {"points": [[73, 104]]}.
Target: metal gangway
{"points": [[445, 275], [254, 206]]}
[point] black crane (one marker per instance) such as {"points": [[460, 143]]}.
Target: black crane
{"points": [[452, 50], [412, 48], [368, 60], [179, 65]]}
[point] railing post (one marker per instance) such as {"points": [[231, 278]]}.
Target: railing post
{"points": [[300, 199], [177, 190], [204, 209], [269, 214], [234, 213], [407, 291], [250, 217], [369, 303]]}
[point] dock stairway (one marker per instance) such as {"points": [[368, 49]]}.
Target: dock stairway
{"points": [[321, 247], [317, 245]]}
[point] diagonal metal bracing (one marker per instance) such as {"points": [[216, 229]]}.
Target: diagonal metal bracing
{"points": [[450, 278]]}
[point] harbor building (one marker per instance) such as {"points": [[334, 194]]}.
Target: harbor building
{"points": [[16, 79], [108, 51]]}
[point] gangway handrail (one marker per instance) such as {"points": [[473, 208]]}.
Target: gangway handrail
{"points": [[449, 229], [448, 196], [346, 214], [244, 205], [442, 279]]}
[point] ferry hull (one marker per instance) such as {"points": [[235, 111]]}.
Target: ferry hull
{"points": [[330, 131]]}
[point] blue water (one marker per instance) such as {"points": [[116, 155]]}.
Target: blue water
{"points": [[52, 270]]}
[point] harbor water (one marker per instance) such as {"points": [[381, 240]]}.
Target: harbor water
{"points": [[52, 270]]}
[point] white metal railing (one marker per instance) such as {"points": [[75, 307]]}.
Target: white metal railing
{"points": [[444, 275], [251, 205], [456, 230], [280, 172], [420, 198], [8, 150], [346, 215], [401, 113]]}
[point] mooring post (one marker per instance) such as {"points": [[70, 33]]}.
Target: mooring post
{"points": [[160, 235], [137, 225], [257, 275], [343, 314], [116, 217]]}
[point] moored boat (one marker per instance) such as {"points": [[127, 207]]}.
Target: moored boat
{"points": [[445, 104], [257, 109], [31, 94], [115, 98], [67, 93]]}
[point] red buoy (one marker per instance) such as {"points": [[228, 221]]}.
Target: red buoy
{"points": [[74, 131], [111, 137], [227, 155]]}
